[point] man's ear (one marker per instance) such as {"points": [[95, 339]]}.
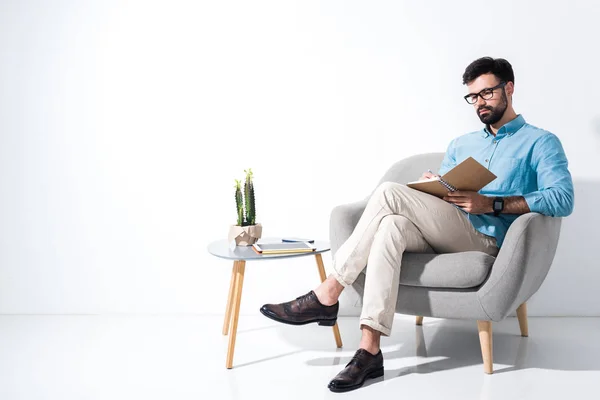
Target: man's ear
{"points": [[510, 88]]}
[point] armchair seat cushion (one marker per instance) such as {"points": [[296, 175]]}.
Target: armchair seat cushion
{"points": [[449, 270]]}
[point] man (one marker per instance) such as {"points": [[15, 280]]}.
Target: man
{"points": [[532, 176]]}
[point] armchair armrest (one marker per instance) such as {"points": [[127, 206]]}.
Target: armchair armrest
{"points": [[521, 265]]}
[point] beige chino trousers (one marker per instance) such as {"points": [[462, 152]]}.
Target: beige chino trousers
{"points": [[398, 219]]}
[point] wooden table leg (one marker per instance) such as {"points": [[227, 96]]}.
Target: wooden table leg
{"points": [[227, 321], [336, 330], [237, 298]]}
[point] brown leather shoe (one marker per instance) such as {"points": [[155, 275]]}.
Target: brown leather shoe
{"points": [[361, 367], [303, 310]]}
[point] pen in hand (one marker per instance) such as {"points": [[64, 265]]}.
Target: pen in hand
{"points": [[428, 175]]}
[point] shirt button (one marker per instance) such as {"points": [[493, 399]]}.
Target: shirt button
{"points": [[486, 160], [494, 141]]}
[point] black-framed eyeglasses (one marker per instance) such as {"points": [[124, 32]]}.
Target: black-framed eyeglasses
{"points": [[485, 94]]}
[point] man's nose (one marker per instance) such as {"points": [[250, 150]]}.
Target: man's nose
{"points": [[480, 102]]}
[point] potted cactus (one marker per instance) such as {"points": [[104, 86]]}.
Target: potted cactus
{"points": [[246, 232]]}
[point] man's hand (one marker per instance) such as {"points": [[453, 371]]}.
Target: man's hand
{"points": [[471, 202], [427, 175]]}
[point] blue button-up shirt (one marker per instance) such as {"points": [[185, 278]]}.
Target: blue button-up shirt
{"points": [[527, 161]]}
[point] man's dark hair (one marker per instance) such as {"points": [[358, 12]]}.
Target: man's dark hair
{"points": [[485, 65]]}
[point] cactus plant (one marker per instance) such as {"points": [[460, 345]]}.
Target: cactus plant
{"points": [[239, 203], [246, 208], [249, 198]]}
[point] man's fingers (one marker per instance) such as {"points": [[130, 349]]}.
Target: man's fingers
{"points": [[461, 193], [458, 202], [457, 199]]}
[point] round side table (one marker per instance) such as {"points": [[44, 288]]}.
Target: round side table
{"points": [[241, 254]]}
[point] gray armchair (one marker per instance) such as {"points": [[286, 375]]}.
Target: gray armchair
{"points": [[468, 285]]}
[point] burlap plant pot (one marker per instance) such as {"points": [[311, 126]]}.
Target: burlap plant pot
{"points": [[244, 235]]}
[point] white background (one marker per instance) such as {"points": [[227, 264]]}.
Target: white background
{"points": [[123, 125]]}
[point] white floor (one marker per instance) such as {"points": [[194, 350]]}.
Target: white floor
{"points": [[183, 357]]}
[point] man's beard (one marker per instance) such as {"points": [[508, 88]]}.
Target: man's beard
{"points": [[495, 113]]}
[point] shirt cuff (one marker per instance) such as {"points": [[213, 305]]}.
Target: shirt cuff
{"points": [[536, 202]]}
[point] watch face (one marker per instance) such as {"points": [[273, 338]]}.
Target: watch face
{"points": [[497, 204]]}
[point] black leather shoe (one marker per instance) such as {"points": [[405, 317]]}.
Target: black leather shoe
{"points": [[361, 367], [303, 310]]}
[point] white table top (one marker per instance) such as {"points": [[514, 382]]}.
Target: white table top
{"points": [[221, 248]]}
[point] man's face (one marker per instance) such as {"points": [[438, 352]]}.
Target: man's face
{"points": [[491, 110]]}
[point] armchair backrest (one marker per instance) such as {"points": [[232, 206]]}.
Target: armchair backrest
{"points": [[411, 168]]}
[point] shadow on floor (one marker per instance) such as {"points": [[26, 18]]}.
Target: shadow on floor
{"points": [[451, 344]]}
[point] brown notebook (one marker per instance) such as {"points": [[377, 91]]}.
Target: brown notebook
{"points": [[469, 175]]}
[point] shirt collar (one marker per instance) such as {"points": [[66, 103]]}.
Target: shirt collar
{"points": [[509, 128]]}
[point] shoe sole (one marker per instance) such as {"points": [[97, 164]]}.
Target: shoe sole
{"points": [[371, 375], [322, 322]]}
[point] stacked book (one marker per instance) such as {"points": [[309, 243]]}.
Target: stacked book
{"points": [[286, 246]]}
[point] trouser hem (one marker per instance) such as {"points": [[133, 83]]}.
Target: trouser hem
{"points": [[377, 326]]}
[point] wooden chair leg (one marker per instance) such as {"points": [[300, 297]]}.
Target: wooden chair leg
{"points": [[237, 298], [420, 344], [522, 316], [485, 340], [227, 321], [419, 320], [336, 329]]}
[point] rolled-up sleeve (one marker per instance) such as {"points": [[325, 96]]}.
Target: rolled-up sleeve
{"points": [[554, 196]]}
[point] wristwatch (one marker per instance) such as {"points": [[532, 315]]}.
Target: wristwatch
{"points": [[498, 205]]}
